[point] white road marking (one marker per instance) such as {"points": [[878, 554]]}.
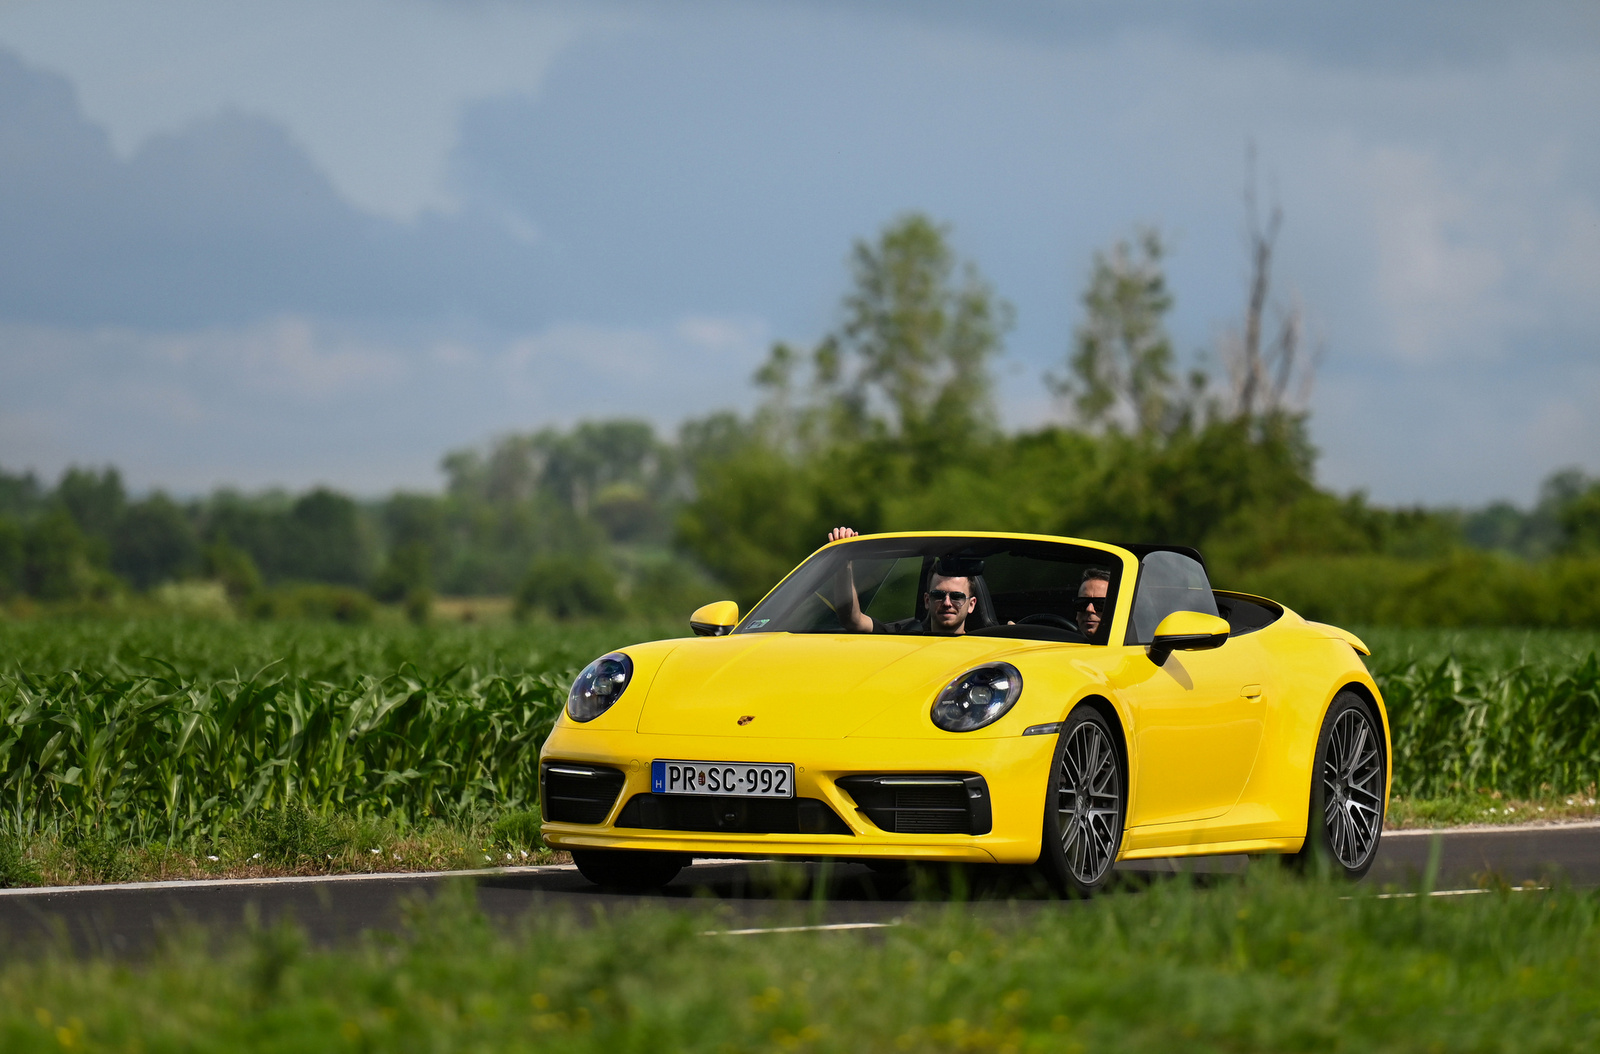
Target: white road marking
{"points": [[1493, 828], [284, 880], [802, 929]]}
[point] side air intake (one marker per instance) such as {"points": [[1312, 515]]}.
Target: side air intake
{"points": [[570, 792], [923, 803]]}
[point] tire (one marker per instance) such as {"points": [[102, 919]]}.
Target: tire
{"points": [[1348, 779], [1085, 805], [629, 870]]}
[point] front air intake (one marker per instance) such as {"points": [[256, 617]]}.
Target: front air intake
{"points": [[574, 793], [923, 803], [730, 815]]}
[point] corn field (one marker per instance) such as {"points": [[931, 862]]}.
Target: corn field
{"points": [[152, 731]]}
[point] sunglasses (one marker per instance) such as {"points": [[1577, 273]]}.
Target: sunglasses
{"points": [[938, 596], [1084, 603]]}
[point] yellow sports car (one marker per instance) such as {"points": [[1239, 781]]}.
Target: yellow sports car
{"points": [[990, 698]]}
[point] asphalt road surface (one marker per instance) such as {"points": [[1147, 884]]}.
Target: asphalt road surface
{"points": [[732, 895]]}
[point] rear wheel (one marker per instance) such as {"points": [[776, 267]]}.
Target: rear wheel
{"points": [[1347, 791], [631, 870], [1085, 805]]}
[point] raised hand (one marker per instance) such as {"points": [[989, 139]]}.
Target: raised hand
{"points": [[841, 532]]}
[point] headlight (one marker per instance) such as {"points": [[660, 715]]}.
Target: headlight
{"points": [[601, 683], [978, 697]]}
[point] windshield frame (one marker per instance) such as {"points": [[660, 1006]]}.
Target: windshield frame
{"points": [[1122, 562]]}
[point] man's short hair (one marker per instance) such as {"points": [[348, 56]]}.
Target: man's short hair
{"points": [[1097, 572]]}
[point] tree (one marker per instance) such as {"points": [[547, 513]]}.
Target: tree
{"points": [[1121, 367], [910, 362], [154, 541], [1276, 376], [11, 557]]}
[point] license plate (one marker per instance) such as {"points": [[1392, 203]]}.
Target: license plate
{"points": [[730, 778]]}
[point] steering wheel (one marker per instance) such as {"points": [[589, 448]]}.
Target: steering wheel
{"points": [[1046, 618]]}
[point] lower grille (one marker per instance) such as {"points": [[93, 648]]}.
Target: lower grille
{"points": [[573, 793], [923, 803], [710, 812]]}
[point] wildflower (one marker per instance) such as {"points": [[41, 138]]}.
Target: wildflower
{"points": [[213, 859], [257, 856], [489, 858], [375, 852], [508, 856], [524, 853]]}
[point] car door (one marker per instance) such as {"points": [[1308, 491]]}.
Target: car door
{"points": [[1197, 719]]}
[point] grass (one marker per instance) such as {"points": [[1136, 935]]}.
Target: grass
{"points": [[276, 842], [1261, 964]]}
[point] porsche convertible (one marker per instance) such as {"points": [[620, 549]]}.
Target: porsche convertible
{"points": [[1100, 703]]}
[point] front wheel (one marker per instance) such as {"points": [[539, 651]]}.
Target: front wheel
{"points": [[1085, 805], [629, 870], [1347, 791]]}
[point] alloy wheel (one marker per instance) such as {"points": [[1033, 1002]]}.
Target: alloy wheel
{"points": [[1352, 781], [1089, 803]]}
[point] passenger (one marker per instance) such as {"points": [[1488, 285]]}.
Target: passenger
{"points": [[949, 600], [1096, 584]]}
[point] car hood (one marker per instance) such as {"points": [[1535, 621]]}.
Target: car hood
{"points": [[806, 686]]}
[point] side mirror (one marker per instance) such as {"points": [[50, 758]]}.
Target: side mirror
{"points": [[1187, 631], [715, 620]]}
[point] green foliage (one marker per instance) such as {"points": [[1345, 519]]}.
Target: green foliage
{"points": [[1515, 722], [11, 558], [159, 756], [1463, 589], [15, 867], [291, 833], [148, 730], [154, 541], [1121, 366], [313, 600], [517, 830], [59, 561], [1262, 964], [571, 585], [234, 568]]}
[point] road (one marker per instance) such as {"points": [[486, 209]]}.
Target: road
{"points": [[733, 895]]}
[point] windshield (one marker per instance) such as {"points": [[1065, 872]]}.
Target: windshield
{"points": [[1022, 588]]}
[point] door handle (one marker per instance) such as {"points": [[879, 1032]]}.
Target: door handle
{"points": [[1251, 691]]}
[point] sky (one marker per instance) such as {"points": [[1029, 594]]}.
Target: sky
{"points": [[259, 244]]}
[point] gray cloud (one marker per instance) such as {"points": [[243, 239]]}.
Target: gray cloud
{"points": [[223, 222]]}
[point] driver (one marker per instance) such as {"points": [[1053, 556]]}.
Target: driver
{"points": [[949, 600], [1091, 607]]}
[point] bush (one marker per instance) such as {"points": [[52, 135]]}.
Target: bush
{"points": [[312, 601], [1464, 589], [569, 586]]}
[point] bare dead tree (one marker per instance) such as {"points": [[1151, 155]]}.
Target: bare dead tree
{"points": [[1262, 374]]}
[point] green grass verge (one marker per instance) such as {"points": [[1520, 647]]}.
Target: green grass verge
{"points": [[287, 841], [1262, 964]]}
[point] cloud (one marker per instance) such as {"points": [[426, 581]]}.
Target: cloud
{"points": [[222, 222], [370, 89]]}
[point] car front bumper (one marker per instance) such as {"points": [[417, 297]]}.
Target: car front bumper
{"points": [[1014, 770]]}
